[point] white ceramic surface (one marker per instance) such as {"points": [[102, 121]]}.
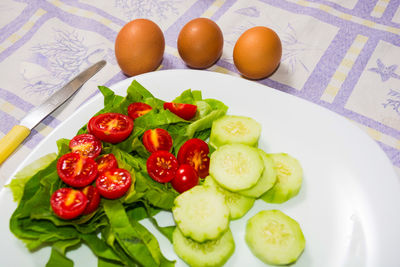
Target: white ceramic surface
{"points": [[347, 207]]}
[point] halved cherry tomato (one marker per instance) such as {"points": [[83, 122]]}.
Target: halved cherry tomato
{"points": [[185, 178], [86, 144], [185, 111], [76, 170], [138, 109], [162, 166], [68, 203], [113, 183], [93, 197], [195, 153], [157, 139], [111, 127], [106, 162]]}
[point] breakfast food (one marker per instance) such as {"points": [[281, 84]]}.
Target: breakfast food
{"points": [[257, 52], [200, 43], [139, 47]]}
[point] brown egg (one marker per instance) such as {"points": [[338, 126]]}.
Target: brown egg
{"points": [[257, 52], [139, 47], [200, 43]]}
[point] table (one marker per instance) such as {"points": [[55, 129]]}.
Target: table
{"points": [[342, 55]]}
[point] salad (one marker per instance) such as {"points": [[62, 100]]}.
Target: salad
{"points": [[112, 230], [140, 155]]}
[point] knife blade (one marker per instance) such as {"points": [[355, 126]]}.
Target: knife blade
{"points": [[19, 132]]}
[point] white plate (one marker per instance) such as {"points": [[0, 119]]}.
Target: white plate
{"points": [[347, 207]]}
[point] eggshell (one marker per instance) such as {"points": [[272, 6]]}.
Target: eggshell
{"points": [[200, 43], [257, 52], [139, 47]]}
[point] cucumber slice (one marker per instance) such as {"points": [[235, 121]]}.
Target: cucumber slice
{"points": [[210, 253], [231, 129], [201, 213], [274, 237], [266, 181], [236, 166], [238, 205], [289, 176]]}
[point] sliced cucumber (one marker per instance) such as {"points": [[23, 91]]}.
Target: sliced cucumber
{"points": [[201, 213], [209, 253], [266, 181], [238, 205], [236, 166], [274, 237], [289, 176], [231, 129]]}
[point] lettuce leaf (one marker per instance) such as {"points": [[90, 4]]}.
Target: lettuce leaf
{"points": [[134, 238], [17, 184]]}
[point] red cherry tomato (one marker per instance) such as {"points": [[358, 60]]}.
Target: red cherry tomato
{"points": [[76, 170], [111, 127], [93, 197], [157, 139], [86, 144], [185, 178], [195, 153], [68, 203], [185, 111], [106, 162], [162, 166], [113, 183], [138, 109]]}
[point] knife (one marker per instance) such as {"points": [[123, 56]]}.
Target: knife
{"points": [[19, 132]]}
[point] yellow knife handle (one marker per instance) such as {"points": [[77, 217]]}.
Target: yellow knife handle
{"points": [[12, 140]]}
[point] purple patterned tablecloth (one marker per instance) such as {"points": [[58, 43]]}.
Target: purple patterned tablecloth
{"points": [[343, 55]]}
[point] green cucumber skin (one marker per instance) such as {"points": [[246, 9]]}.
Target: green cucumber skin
{"points": [[212, 253], [220, 136], [201, 213], [276, 195], [266, 181], [238, 205], [288, 249], [283, 190]]}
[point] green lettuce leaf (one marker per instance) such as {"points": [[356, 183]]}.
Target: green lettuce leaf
{"points": [[17, 184], [100, 248], [134, 238], [58, 259]]}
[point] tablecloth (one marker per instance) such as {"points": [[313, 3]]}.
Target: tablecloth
{"points": [[343, 55]]}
